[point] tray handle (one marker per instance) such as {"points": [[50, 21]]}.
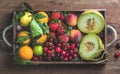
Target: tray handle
{"points": [[115, 35], [4, 35]]}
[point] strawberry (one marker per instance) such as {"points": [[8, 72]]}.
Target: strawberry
{"points": [[52, 34], [55, 15], [60, 30], [62, 17], [53, 26], [60, 23]]}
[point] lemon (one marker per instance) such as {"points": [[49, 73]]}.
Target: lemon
{"points": [[26, 19]]}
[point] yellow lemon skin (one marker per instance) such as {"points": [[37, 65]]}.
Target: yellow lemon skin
{"points": [[43, 20], [26, 19]]}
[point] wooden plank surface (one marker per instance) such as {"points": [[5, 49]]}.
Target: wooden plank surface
{"points": [[112, 17]]}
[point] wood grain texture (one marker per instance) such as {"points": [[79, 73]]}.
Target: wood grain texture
{"points": [[112, 16]]}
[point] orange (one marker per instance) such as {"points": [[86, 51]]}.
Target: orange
{"points": [[23, 33], [43, 20], [42, 39], [25, 52]]}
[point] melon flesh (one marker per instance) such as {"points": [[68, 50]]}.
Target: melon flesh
{"points": [[98, 24], [84, 51]]}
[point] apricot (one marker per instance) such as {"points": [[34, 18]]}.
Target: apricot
{"points": [[75, 35]]}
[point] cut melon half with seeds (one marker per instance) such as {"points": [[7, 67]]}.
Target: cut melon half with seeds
{"points": [[89, 47], [91, 21]]}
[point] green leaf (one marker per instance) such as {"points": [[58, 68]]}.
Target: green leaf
{"points": [[39, 16], [27, 32], [28, 7], [36, 30], [22, 39], [66, 13], [21, 61], [16, 18]]}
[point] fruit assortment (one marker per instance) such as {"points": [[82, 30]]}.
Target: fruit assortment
{"points": [[59, 35]]}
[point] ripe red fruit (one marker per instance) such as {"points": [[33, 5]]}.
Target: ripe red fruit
{"points": [[58, 49], [117, 54], [63, 53], [55, 15], [60, 30], [52, 34], [35, 58], [72, 46], [60, 23], [53, 26], [49, 52], [71, 20], [63, 38], [45, 49], [62, 17], [66, 59]]}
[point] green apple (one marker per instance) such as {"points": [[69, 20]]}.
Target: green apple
{"points": [[38, 50]]}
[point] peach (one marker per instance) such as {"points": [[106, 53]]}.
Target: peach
{"points": [[63, 38], [75, 35], [71, 20]]}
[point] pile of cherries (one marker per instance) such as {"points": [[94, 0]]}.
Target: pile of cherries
{"points": [[55, 50], [117, 53]]}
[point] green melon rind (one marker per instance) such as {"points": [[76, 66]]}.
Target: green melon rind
{"points": [[91, 13], [92, 54]]}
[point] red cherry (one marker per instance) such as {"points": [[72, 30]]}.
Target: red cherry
{"points": [[59, 44], [117, 54], [72, 46], [58, 49], [71, 52], [63, 53], [49, 58], [70, 57], [45, 49], [66, 59], [49, 51], [35, 58], [75, 55], [52, 54]]}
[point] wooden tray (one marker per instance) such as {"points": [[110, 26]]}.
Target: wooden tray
{"points": [[80, 61], [67, 62]]}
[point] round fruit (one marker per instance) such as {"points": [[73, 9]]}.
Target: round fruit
{"points": [[90, 47], [117, 54], [26, 19], [91, 21], [75, 36], [26, 52], [24, 33], [43, 20], [118, 45], [71, 20], [38, 50], [42, 39]]}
